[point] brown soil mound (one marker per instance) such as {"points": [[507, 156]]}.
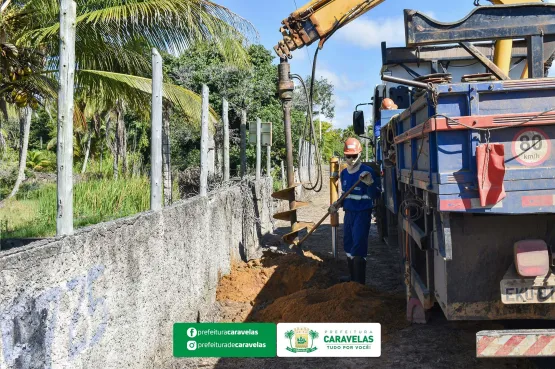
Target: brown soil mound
{"points": [[342, 303], [292, 288], [273, 276]]}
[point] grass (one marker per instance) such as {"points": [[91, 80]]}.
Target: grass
{"points": [[33, 214]]}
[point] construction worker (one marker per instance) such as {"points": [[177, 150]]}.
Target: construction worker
{"points": [[358, 209], [388, 104]]}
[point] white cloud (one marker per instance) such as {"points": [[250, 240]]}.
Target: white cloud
{"points": [[342, 103], [367, 33], [340, 82]]}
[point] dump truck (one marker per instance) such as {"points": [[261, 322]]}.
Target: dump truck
{"points": [[466, 159], [468, 170]]}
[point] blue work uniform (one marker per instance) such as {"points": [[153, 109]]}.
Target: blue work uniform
{"points": [[358, 210]]}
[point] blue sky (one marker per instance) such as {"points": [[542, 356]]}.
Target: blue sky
{"points": [[351, 59]]}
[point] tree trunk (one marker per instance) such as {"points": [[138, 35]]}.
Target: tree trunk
{"points": [[125, 163], [117, 143], [2, 142], [116, 158], [106, 143], [87, 152], [121, 140], [25, 121]]}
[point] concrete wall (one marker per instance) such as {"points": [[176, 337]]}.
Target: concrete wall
{"points": [[107, 297]]}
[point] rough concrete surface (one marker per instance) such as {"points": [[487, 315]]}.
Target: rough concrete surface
{"points": [[108, 296]]}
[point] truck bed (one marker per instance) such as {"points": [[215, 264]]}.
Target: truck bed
{"points": [[437, 151]]}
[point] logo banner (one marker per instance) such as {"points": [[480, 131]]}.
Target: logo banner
{"points": [[329, 339]]}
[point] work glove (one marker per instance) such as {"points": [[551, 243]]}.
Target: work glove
{"points": [[333, 208], [366, 178]]}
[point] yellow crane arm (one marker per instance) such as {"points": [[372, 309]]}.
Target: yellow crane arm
{"points": [[318, 20]]}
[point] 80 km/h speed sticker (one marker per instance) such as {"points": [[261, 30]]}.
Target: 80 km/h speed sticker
{"points": [[531, 147]]}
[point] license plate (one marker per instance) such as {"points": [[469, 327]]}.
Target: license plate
{"points": [[518, 290]]}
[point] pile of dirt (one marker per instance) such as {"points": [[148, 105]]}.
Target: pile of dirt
{"points": [[273, 276], [341, 303], [293, 288]]}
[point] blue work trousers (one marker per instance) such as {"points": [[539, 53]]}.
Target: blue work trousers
{"points": [[356, 227]]}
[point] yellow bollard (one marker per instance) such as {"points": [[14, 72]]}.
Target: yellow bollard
{"points": [[334, 195]]}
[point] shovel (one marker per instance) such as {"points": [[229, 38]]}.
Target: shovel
{"points": [[341, 199]]}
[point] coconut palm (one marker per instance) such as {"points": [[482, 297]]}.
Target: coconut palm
{"points": [[113, 44], [313, 335], [289, 335]]}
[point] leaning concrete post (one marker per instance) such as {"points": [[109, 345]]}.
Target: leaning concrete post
{"points": [[156, 133], [243, 143], [225, 121], [258, 149], [64, 218], [204, 143]]}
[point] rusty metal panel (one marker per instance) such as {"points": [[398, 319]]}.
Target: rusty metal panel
{"points": [[482, 24]]}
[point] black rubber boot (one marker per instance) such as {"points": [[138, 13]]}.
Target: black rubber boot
{"points": [[359, 270], [351, 276]]}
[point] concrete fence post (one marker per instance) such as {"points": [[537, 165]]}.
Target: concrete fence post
{"points": [[268, 160], [243, 143], [258, 149], [225, 121], [156, 133], [283, 178], [204, 142], [166, 158], [64, 218]]}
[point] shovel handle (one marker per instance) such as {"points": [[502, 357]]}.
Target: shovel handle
{"points": [[341, 199]]}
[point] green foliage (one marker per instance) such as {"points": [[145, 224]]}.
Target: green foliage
{"points": [[41, 161], [323, 96], [253, 89], [94, 201], [332, 144]]}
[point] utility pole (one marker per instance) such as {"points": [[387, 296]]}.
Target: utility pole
{"points": [[318, 110], [268, 160], [225, 121], [166, 157], [258, 149], [156, 133], [204, 142], [64, 214], [243, 143]]}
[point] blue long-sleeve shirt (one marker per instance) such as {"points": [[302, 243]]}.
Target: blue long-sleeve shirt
{"points": [[362, 197]]}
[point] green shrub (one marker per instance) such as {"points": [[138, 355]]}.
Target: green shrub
{"points": [[94, 201]]}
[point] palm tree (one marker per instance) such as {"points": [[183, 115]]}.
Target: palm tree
{"points": [[113, 44], [289, 335], [313, 335]]}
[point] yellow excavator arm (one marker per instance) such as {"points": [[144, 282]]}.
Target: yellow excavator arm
{"points": [[318, 20]]}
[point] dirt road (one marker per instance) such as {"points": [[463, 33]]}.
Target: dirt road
{"points": [[439, 344]]}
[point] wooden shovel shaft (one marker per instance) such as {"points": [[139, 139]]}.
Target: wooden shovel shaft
{"points": [[328, 213]]}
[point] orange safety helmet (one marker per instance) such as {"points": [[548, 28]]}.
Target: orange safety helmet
{"points": [[388, 104], [352, 147]]}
